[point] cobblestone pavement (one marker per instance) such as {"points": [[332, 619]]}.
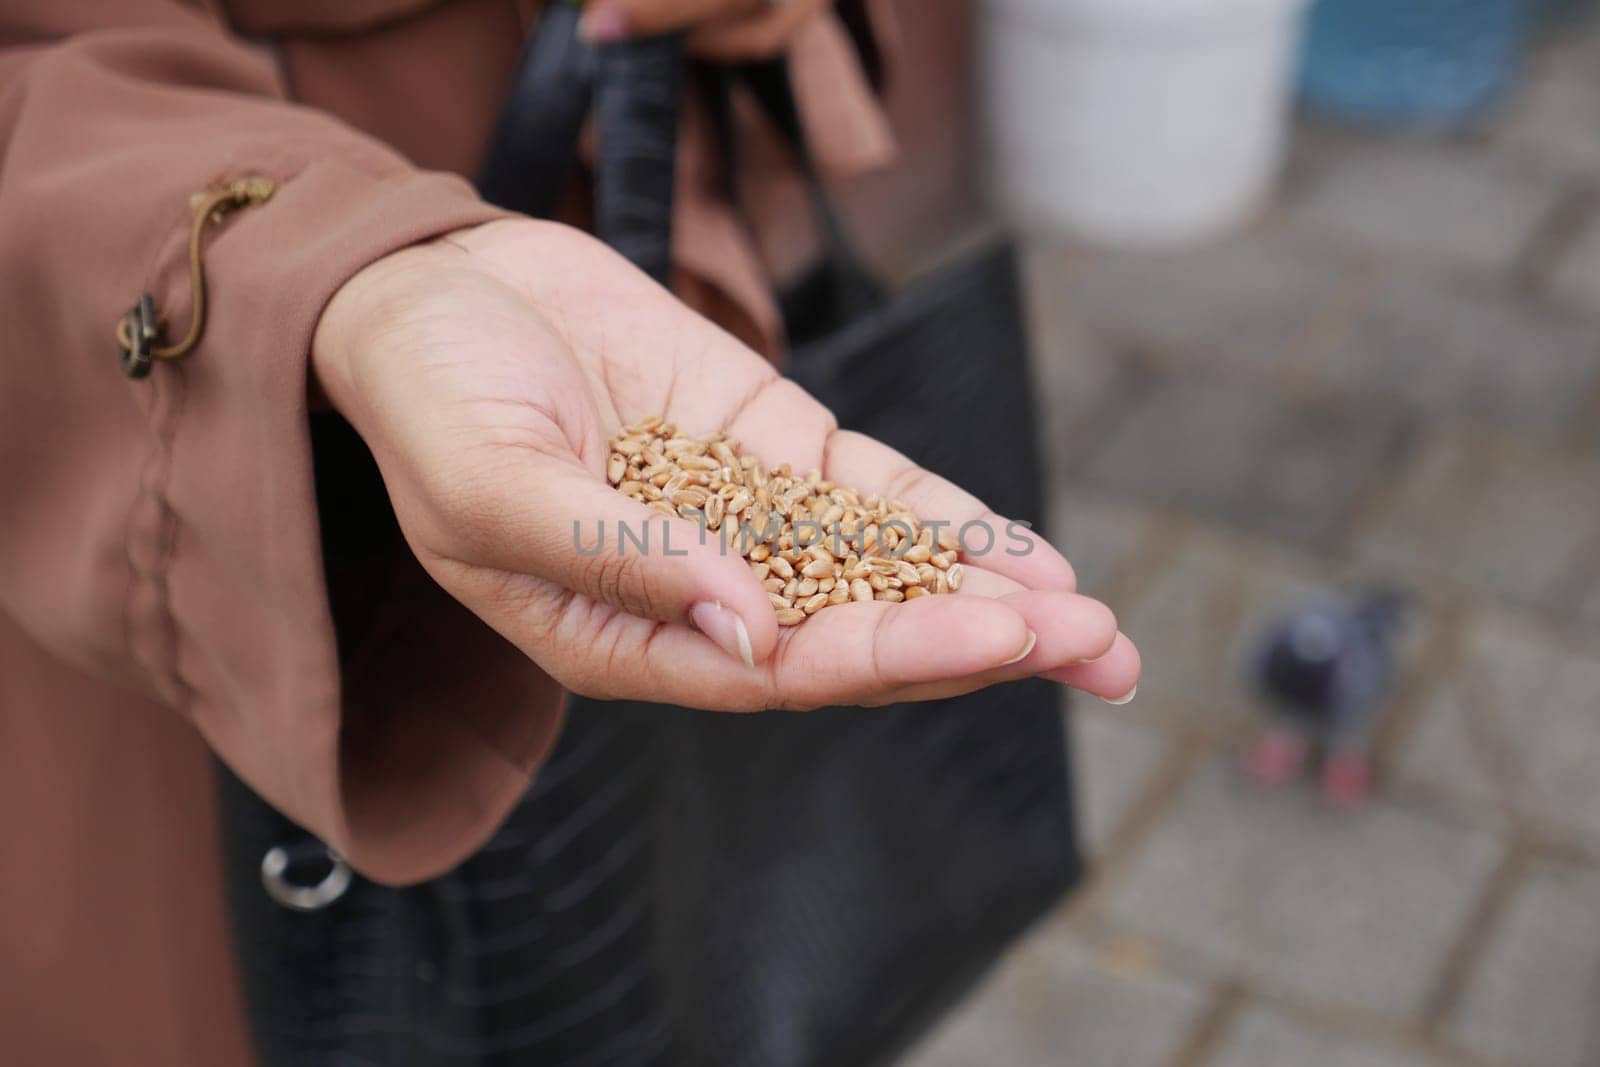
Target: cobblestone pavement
{"points": [[1395, 373]]}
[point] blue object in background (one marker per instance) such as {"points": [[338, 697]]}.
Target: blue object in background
{"points": [[1411, 61]]}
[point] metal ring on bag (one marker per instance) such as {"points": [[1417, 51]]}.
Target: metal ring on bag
{"points": [[275, 876]]}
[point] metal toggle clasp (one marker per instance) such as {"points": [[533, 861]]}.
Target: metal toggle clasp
{"points": [[140, 334], [138, 329]]}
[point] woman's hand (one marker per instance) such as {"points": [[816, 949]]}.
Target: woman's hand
{"points": [[728, 30], [487, 371]]}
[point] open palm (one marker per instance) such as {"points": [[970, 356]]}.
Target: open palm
{"points": [[487, 372]]}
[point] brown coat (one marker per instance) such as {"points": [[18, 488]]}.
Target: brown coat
{"points": [[162, 593]]}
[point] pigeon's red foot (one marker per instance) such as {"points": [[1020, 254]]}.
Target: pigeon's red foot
{"points": [[1277, 758], [1346, 779]]}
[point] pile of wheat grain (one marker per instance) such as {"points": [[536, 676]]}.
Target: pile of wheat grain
{"points": [[847, 547]]}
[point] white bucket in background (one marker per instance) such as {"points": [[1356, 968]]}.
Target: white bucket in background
{"points": [[1136, 122]]}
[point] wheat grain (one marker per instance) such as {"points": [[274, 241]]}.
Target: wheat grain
{"points": [[819, 568], [809, 542]]}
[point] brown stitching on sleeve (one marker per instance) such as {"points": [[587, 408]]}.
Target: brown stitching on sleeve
{"points": [[171, 396]]}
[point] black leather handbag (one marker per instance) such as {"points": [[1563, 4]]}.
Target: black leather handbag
{"points": [[689, 889]]}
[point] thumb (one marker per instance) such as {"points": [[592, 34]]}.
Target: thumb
{"points": [[606, 21], [559, 521]]}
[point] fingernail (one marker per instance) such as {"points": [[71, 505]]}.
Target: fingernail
{"points": [[1123, 699], [1033, 639], [604, 23], [725, 628]]}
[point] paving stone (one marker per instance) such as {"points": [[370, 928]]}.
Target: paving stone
{"points": [[1450, 753], [1573, 44], [1054, 1001], [1245, 304], [1262, 1037], [1349, 909], [1076, 373], [1198, 617], [1575, 281], [1536, 690], [1448, 347], [1316, 143], [1552, 117], [1531, 998], [1114, 761], [1246, 456], [1433, 202], [1098, 535], [1589, 608], [1505, 516]]}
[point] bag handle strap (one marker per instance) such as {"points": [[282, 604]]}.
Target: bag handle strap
{"points": [[535, 144], [633, 88]]}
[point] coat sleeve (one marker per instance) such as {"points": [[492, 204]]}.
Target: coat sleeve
{"points": [[164, 533]]}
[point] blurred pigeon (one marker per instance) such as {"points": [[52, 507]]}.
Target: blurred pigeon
{"points": [[1324, 671]]}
